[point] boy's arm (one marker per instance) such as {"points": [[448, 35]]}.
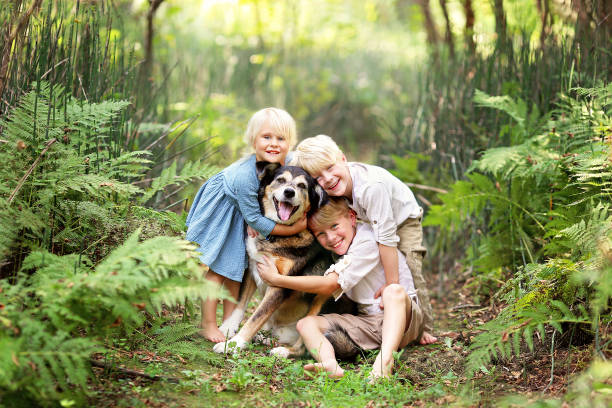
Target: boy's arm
{"points": [[322, 285], [388, 258]]}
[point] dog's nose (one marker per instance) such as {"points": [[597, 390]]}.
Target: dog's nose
{"points": [[289, 193]]}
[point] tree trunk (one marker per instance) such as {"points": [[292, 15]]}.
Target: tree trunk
{"points": [[500, 23], [546, 19], [430, 27], [147, 64], [469, 26], [448, 36]]}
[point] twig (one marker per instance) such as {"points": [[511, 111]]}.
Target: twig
{"points": [[464, 306], [423, 200], [55, 66], [552, 362], [25, 176], [136, 373], [428, 188]]}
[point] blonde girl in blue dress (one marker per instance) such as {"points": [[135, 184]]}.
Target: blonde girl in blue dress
{"points": [[227, 203]]}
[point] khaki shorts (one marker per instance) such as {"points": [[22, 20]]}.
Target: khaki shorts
{"points": [[366, 330]]}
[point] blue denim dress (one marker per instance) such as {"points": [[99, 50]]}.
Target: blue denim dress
{"points": [[216, 221]]}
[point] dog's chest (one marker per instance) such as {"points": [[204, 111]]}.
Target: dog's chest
{"points": [[296, 246]]}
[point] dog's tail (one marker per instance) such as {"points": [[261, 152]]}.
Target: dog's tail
{"points": [[344, 347]]}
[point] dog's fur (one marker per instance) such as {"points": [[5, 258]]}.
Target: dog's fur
{"points": [[285, 194]]}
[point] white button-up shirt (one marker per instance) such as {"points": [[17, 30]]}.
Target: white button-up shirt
{"points": [[383, 200], [361, 274]]}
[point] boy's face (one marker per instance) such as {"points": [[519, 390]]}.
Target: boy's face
{"points": [[270, 145], [338, 236], [336, 180]]}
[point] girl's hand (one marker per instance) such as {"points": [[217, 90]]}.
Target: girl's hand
{"points": [[252, 232], [267, 271]]}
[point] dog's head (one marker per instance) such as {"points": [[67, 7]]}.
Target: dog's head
{"points": [[286, 193]]}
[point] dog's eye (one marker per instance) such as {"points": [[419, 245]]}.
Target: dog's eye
{"points": [[280, 180], [302, 185]]}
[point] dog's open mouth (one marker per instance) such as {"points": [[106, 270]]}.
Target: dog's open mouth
{"points": [[284, 210]]}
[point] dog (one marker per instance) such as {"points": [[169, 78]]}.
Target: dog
{"points": [[285, 195]]}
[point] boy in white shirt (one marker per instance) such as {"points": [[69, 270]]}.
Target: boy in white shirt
{"points": [[358, 274], [379, 198]]}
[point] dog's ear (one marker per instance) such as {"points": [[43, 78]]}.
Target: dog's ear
{"points": [[265, 169], [317, 196]]}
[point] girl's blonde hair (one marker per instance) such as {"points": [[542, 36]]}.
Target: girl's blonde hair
{"points": [[329, 213], [280, 121], [316, 154]]}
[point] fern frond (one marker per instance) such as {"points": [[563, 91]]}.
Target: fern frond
{"points": [[169, 176]]}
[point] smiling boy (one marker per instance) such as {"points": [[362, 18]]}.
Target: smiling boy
{"points": [[358, 274]]}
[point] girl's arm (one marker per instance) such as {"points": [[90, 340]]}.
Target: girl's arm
{"points": [[286, 230], [322, 285]]}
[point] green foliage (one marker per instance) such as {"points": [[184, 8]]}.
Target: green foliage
{"points": [[75, 272], [55, 318], [542, 210]]}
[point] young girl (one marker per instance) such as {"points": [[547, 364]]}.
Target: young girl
{"points": [[358, 274], [217, 217]]}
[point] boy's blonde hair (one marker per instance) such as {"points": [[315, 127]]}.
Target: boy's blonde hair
{"points": [[280, 121], [317, 153], [329, 213]]}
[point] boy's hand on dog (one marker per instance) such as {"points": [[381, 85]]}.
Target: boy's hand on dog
{"points": [[252, 232], [267, 270], [378, 294]]}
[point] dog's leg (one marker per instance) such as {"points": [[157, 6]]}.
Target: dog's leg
{"points": [[298, 348], [231, 324], [271, 301]]}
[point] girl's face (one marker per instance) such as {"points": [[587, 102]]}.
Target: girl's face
{"points": [[338, 236], [336, 180], [269, 145]]}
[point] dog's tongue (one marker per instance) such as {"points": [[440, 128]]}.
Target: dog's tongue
{"points": [[284, 211]]}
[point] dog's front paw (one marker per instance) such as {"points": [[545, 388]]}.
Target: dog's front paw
{"points": [[230, 326], [231, 346], [280, 352]]}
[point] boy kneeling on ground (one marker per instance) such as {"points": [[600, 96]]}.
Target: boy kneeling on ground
{"points": [[388, 322]]}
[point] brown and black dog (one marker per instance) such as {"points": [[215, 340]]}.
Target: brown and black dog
{"points": [[286, 193]]}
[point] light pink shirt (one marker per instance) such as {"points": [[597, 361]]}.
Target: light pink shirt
{"points": [[383, 200], [361, 274]]}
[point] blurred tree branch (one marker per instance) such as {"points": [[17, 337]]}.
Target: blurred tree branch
{"points": [[11, 35], [469, 26], [448, 35]]}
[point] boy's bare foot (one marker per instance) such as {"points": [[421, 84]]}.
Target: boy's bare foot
{"points": [[212, 333], [330, 366], [427, 338]]}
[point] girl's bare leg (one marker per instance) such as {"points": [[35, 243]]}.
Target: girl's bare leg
{"points": [[229, 305], [397, 314], [210, 330], [311, 329]]}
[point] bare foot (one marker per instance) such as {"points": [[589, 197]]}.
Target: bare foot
{"points": [[212, 333], [427, 338], [330, 366]]}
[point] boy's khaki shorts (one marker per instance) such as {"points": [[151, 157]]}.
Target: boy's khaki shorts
{"points": [[366, 330]]}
